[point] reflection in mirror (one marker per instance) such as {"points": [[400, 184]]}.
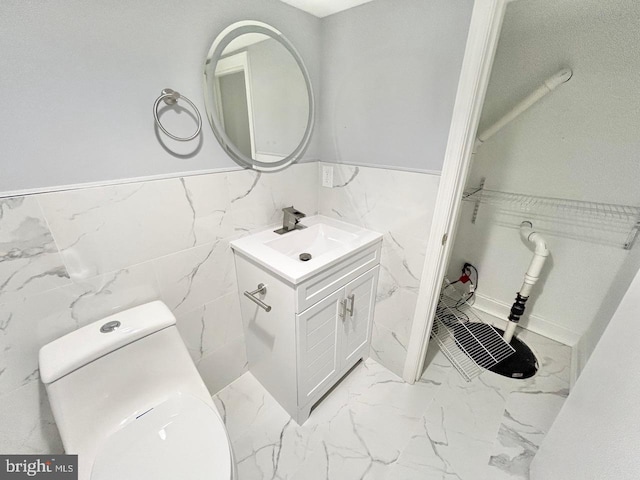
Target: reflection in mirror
{"points": [[258, 96]]}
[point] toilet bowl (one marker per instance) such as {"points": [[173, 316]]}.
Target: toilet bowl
{"points": [[130, 403]]}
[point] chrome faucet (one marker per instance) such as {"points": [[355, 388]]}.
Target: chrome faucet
{"points": [[290, 220]]}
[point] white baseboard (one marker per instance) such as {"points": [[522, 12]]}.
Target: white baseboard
{"points": [[533, 323], [575, 367], [578, 359]]}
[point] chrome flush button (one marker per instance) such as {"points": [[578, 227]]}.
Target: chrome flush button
{"points": [[110, 326]]}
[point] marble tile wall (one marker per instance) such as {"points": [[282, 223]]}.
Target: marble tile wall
{"points": [[70, 258], [400, 205]]}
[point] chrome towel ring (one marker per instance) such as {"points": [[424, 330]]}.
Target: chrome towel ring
{"points": [[171, 97]]}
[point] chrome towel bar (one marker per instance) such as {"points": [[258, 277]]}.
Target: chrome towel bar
{"points": [[262, 289], [171, 97]]}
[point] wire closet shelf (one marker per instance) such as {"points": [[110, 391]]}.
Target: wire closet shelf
{"points": [[603, 223], [470, 344]]}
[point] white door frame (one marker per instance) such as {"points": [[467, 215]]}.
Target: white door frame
{"points": [[235, 63], [482, 41]]}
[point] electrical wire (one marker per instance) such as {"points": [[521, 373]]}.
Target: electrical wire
{"points": [[468, 272], [450, 312]]}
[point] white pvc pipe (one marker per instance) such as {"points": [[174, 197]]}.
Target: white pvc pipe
{"points": [[532, 275], [540, 254], [509, 331], [547, 87]]}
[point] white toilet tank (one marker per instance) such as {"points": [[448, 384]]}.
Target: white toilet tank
{"points": [[100, 382]]}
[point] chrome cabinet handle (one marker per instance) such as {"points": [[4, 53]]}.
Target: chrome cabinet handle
{"points": [[342, 310], [352, 299], [262, 288]]}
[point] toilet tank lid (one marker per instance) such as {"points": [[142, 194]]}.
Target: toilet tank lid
{"points": [[82, 346]]}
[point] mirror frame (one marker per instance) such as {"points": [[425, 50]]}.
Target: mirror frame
{"points": [[215, 52]]}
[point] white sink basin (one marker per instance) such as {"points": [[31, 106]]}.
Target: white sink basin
{"points": [[327, 240], [316, 239]]}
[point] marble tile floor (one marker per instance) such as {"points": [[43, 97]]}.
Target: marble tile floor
{"points": [[375, 426]]}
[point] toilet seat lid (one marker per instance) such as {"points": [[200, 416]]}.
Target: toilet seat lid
{"points": [[180, 438]]}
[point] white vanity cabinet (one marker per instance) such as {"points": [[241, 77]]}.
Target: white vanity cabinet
{"points": [[315, 331], [333, 335]]}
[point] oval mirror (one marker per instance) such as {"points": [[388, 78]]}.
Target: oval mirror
{"points": [[258, 96]]}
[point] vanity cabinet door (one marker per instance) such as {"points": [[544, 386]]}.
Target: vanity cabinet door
{"points": [[318, 346], [360, 296]]}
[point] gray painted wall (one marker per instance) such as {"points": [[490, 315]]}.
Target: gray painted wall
{"points": [[81, 77], [390, 73]]}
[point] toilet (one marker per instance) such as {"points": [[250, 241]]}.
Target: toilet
{"points": [[130, 403]]}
